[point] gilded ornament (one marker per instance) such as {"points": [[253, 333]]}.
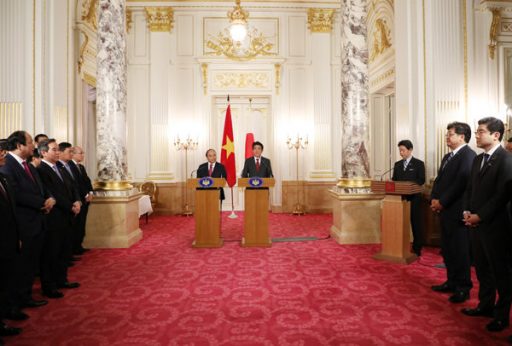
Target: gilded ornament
{"points": [[204, 70], [82, 51], [381, 39], [256, 44], [320, 19], [242, 80], [129, 19], [238, 14], [159, 19], [278, 77], [493, 33], [89, 10]]}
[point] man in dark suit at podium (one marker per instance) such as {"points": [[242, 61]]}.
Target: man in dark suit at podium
{"points": [[448, 200], [213, 169], [257, 166], [411, 169], [485, 213]]}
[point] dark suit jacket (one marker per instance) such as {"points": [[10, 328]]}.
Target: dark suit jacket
{"points": [[250, 168], [9, 232], [486, 194], [451, 182], [85, 177], [80, 182], [218, 172], [415, 171], [64, 192], [29, 196]]}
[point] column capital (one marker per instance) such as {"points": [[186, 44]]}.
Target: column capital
{"points": [[159, 19], [320, 19]]}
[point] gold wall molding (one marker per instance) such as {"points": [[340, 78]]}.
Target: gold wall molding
{"points": [[241, 80], [89, 10], [493, 31], [278, 77], [223, 45], [159, 19], [382, 77], [320, 19], [81, 52], [381, 39], [129, 19], [91, 80], [204, 71]]}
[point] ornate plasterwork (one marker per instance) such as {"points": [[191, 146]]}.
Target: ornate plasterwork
{"points": [[381, 39], [159, 19], [89, 12], [493, 32], [129, 19], [256, 45], [320, 19], [241, 80]]}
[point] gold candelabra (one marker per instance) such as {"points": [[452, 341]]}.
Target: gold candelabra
{"points": [[297, 144], [186, 145]]}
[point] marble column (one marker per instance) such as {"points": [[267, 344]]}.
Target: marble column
{"points": [[113, 219], [111, 93], [354, 90], [356, 211]]}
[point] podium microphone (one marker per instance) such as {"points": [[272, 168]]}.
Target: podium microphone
{"points": [[192, 173], [386, 172]]}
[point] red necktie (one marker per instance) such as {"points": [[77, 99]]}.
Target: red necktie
{"points": [[210, 171], [27, 170], [257, 165]]}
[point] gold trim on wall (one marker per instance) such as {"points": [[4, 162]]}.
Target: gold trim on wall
{"points": [[493, 31], [278, 77], [223, 45], [159, 19], [204, 70], [89, 10], [129, 19], [381, 39], [320, 20], [90, 80]]}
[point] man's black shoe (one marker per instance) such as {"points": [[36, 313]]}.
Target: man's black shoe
{"points": [[16, 315], [8, 331], [497, 325], [444, 288], [477, 312], [459, 297], [34, 303], [69, 285]]}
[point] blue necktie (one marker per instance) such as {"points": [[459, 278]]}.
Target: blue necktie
{"points": [[56, 169], [484, 161]]}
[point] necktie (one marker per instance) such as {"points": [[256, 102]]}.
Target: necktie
{"points": [[405, 165], [3, 191], [69, 170], [56, 169], [447, 159], [210, 170], [257, 165], [27, 170], [484, 161]]}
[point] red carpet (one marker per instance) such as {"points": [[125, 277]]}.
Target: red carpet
{"points": [[162, 292]]}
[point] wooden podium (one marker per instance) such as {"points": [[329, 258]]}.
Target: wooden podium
{"points": [[256, 211], [207, 211], [396, 220]]}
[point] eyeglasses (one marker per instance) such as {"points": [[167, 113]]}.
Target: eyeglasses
{"points": [[481, 132]]}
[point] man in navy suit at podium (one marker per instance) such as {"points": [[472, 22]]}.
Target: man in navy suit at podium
{"points": [[257, 166], [213, 169], [411, 169]]}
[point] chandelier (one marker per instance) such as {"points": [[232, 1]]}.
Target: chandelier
{"points": [[238, 19]]}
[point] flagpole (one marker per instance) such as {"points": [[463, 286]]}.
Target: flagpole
{"points": [[232, 215]]}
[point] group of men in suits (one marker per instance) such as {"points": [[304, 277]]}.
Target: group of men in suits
{"points": [[472, 194], [45, 210]]}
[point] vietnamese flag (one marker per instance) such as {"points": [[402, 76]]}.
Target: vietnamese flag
{"points": [[227, 155]]}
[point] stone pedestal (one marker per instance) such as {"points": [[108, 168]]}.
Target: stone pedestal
{"points": [[356, 217], [113, 221]]}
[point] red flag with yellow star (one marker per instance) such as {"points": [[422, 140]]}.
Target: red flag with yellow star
{"points": [[227, 155]]}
